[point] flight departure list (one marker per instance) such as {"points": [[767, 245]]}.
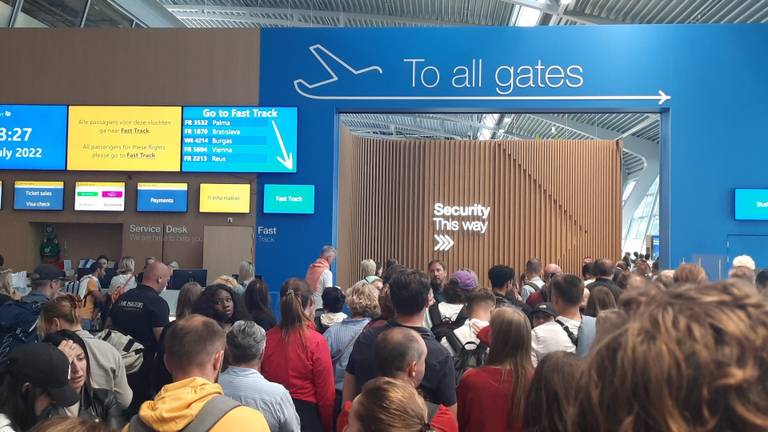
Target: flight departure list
{"points": [[239, 139]]}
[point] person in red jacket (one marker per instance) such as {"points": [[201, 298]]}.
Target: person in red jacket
{"points": [[298, 357], [401, 353], [492, 397]]}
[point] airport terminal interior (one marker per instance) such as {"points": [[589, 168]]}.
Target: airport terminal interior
{"points": [[383, 215]]}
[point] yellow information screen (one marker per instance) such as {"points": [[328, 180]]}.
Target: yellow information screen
{"points": [[124, 138], [225, 198]]}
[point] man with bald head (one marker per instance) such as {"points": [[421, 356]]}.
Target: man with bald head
{"points": [[142, 314], [551, 270], [401, 353]]}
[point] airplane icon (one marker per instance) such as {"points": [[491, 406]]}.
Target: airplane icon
{"points": [[324, 56]]}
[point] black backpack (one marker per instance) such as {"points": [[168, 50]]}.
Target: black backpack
{"points": [[18, 325], [466, 356], [442, 327]]}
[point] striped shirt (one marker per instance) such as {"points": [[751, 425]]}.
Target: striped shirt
{"points": [[250, 388], [341, 337]]}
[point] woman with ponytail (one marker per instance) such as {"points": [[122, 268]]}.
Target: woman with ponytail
{"points": [[298, 357]]}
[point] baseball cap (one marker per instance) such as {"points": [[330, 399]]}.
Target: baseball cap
{"points": [[547, 308], [46, 272], [44, 366], [466, 279], [744, 261]]}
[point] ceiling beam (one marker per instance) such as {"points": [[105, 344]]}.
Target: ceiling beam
{"points": [[294, 16], [642, 147], [549, 6], [585, 18], [149, 12]]}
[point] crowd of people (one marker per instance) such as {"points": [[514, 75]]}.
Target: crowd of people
{"points": [[623, 346]]}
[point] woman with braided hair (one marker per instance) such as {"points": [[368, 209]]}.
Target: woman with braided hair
{"points": [[298, 357]]}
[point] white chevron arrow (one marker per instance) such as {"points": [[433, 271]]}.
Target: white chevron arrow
{"points": [[443, 242]]}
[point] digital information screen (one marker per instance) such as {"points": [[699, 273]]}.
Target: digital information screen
{"points": [[33, 137], [289, 199], [225, 198], [38, 195], [124, 138], [751, 204], [239, 139], [161, 197], [99, 196]]}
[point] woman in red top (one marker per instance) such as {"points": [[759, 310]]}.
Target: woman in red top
{"points": [[492, 397], [298, 357]]}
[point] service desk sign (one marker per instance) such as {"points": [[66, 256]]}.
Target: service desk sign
{"points": [[451, 219]]}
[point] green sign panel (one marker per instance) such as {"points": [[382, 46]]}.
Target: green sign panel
{"points": [[289, 199]]}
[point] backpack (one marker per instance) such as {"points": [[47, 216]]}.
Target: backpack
{"points": [[582, 341], [18, 325], [467, 356], [442, 327], [213, 411], [131, 351]]}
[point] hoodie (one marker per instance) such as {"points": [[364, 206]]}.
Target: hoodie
{"points": [[178, 403]]}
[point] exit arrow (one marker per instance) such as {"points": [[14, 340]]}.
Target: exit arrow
{"points": [[287, 159], [443, 242]]}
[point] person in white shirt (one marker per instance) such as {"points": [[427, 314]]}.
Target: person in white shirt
{"points": [[566, 291], [456, 289], [319, 275], [533, 281], [480, 304]]}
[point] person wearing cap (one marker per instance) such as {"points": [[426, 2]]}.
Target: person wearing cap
{"points": [[45, 284], [543, 313], [456, 289], [243, 381], [32, 378], [98, 404]]}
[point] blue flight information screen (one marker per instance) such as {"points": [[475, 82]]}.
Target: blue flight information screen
{"points": [[239, 139], [33, 137]]}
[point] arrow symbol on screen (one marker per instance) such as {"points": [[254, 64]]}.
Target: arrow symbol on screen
{"points": [[443, 242], [287, 159]]}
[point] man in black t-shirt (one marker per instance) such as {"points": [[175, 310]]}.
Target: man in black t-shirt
{"points": [[142, 314], [409, 291], [602, 269]]}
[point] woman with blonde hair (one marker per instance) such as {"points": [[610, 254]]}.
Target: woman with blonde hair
{"points": [[505, 377], [692, 358], [387, 405], [245, 275], [690, 273], [188, 295], [367, 268], [124, 280], [363, 302]]}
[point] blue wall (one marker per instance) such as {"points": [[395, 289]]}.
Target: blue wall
{"points": [[712, 137]]}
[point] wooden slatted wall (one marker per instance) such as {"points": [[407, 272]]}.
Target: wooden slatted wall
{"points": [[558, 201]]}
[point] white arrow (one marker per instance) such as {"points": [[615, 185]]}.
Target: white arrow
{"points": [[661, 97], [443, 242], [287, 159]]}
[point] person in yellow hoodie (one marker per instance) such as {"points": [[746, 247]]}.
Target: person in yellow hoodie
{"points": [[193, 402]]}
